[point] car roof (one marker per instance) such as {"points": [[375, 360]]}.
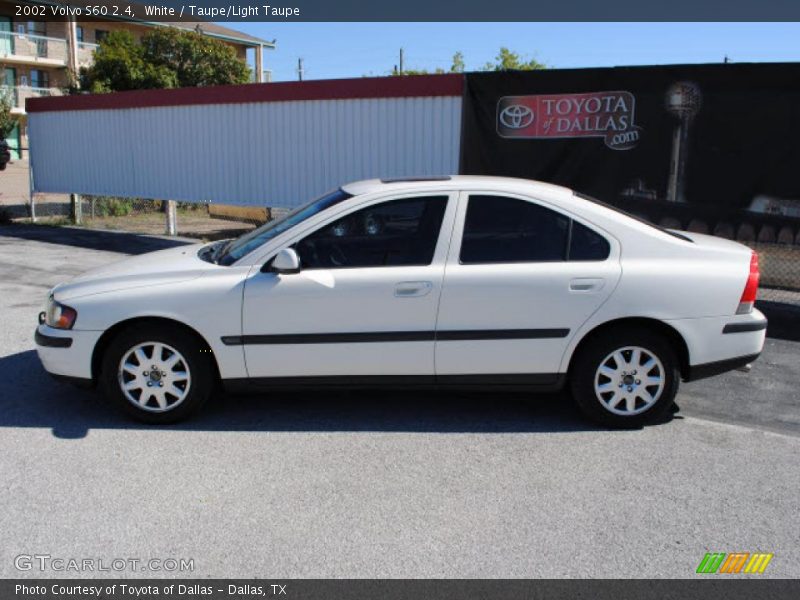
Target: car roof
{"points": [[453, 182]]}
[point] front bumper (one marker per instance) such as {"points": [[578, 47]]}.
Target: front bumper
{"points": [[49, 341], [66, 353]]}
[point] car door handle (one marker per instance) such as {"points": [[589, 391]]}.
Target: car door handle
{"points": [[586, 285], [411, 289]]}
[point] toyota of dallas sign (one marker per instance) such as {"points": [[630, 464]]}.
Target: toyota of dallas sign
{"points": [[608, 115]]}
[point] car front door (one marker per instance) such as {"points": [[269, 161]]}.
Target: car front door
{"points": [[521, 278], [364, 302]]}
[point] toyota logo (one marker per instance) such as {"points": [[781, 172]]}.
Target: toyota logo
{"points": [[516, 116]]}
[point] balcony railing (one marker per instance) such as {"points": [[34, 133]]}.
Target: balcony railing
{"points": [[35, 47], [86, 53], [266, 76], [20, 93]]}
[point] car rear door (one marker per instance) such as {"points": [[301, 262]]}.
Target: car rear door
{"points": [[521, 278], [364, 303]]}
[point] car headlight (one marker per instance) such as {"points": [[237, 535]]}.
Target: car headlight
{"points": [[58, 315]]}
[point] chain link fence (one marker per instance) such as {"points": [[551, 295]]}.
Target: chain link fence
{"points": [[780, 272], [203, 221]]}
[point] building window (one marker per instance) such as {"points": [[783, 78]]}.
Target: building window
{"points": [[100, 35], [40, 79], [79, 33], [37, 28]]}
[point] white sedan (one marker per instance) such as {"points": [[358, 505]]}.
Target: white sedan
{"points": [[453, 281]]}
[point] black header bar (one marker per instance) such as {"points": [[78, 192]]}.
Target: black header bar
{"points": [[703, 587], [233, 11]]}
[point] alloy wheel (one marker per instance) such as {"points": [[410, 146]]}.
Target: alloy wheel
{"points": [[629, 380], [154, 377]]}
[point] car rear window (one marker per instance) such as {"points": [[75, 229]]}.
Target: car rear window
{"points": [[585, 244]]}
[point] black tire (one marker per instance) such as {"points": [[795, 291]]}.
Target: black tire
{"points": [[584, 373], [195, 356]]}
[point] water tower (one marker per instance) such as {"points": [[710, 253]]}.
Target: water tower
{"points": [[683, 101]]}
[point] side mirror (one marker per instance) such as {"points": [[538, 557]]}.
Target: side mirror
{"points": [[286, 261]]}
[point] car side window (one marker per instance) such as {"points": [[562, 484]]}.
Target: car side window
{"points": [[585, 244], [498, 229], [391, 234]]}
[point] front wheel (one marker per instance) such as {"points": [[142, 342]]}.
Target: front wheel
{"points": [[157, 374], [625, 378]]}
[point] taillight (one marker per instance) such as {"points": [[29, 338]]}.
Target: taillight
{"points": [[750, 289]]}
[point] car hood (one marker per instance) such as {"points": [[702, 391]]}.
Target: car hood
{"points": [[173, 265]]}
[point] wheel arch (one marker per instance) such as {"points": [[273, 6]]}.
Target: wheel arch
{"points": [[110, 333], [667, 331]]}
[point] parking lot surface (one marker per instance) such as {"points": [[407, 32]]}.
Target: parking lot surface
{"points": [[383, 484]]}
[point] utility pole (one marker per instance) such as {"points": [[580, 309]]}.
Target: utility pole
{"points": [[170, 208], [76, 208], [300, 69], [401, 61]]}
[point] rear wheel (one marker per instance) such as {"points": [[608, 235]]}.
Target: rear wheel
{"points": [[625, 378], [157, 374]]}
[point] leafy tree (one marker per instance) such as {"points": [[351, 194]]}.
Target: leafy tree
{"points": [[507, 60], [7, 120], [166, 57], [458, 65], [417, 72], [197, 60]]}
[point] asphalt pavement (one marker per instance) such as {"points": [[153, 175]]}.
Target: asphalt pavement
{"points": [[382, 484]]}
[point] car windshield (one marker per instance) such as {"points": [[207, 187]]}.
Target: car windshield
{"points": [[235, 249]]}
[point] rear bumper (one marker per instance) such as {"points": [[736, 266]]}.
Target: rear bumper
{"points": [[745, 326], [716, 368], [720, 344]]}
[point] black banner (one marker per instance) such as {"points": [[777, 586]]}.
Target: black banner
{"points": [[708, 146], [399, 589]]}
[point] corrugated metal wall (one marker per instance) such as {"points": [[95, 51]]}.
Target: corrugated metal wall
{"points": [[264, 153]]}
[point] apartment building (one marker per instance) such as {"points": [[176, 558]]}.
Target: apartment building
{"points": [[36, 57]]}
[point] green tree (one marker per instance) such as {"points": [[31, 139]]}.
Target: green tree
{"points": [[458, 65], [8, 120], [417, 72], [166, 57], [508, 60]]}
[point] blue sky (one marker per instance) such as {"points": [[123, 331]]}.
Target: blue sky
{"points": [[333, 50]]}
